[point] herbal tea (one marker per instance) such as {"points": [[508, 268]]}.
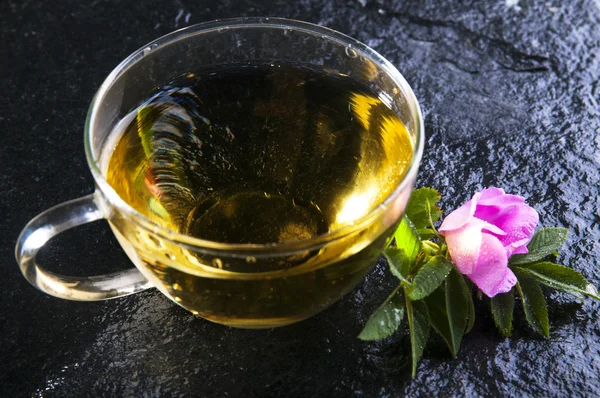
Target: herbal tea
{"points": [[259, 154]]}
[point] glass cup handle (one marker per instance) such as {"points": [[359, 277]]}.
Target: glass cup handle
{"points": [[54, 221]]}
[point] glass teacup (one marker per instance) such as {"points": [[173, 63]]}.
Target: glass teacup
{"points": [[248, 285]]}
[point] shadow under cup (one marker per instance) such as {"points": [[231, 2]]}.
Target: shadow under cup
{"points": [[237, 284]]}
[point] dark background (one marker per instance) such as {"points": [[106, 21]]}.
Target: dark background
{"points": [[510, 95]]}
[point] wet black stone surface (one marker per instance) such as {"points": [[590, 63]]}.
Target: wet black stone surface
{"points": [[510, 94]]}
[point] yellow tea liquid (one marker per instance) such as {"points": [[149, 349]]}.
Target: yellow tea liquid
{"points": [[258, 154]]}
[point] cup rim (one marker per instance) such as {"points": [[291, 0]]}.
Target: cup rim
{"points": [[240, 23]]}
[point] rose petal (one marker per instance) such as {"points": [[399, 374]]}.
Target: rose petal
{"points": [[461, 216], [494, 203], [464, 246], [519, 225], [484, 232], [491, 228], [510, 214], [506, 283], [493, 196], [491, 273], [491, 193], [520, 250]]}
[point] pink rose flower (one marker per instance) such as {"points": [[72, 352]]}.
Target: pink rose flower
{"points": [[483, 233]]}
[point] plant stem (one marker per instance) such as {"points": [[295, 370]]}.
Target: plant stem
{"points": [[435, 232]]}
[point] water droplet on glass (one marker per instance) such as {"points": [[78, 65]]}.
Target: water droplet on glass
{"points": [[170, 256], [149, 49], [154, 240], [216, 262], [351, 52]]}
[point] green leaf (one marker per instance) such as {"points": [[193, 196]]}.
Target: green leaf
{"points": [[457, 308], [429, 248], [408, 240], [386, 319], [545, 242], [422, 202], [502, 306], [449, 309], [429, 277], [560, 278], [418, 325], [397, 262], [436, 303], [425, 233], [534, 303]]}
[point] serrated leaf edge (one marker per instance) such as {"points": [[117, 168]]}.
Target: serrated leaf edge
{"points": [[590, 290], [385, 302], [545, 333]]}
